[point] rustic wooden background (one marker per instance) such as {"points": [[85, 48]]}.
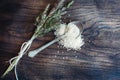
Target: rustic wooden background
{"points": [[99, 58]]}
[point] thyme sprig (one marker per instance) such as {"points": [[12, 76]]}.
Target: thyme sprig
{"points": [[45, 22]]}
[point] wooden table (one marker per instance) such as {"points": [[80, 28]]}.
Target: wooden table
{"points": [[99, 58]]}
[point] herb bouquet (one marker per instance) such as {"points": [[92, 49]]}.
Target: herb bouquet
{"points": [[49, 20]]}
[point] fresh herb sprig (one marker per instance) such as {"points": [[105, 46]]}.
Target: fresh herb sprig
{"points": [[45, 22]]}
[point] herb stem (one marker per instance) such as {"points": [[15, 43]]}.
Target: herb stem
{"points": [[14, 61]]}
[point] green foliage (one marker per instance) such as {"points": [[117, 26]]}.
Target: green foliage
{"points": [[45, 22], [50, 19]]}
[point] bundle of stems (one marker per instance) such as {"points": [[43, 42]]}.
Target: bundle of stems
{"points": [[49, 20]]}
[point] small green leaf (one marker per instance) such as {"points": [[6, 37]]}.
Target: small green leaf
{"points": [[70, 3]]}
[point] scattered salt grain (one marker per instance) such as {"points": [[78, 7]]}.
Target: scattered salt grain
{"points": [[63, 57], [68, 14], [53, 60], [57, 51], [55, 56], [76, 56], [66, 57]]}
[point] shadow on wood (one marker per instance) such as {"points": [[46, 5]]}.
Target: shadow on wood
{"points": [[98, 59]]}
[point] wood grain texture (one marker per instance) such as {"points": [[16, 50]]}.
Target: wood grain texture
{"points": [[98, 59]]}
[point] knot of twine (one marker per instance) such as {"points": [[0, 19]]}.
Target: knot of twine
{"points": [[24, 48]]}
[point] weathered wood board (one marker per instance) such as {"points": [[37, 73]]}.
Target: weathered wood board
{"points": [[99, 58]]}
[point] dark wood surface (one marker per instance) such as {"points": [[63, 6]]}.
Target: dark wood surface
{"points": [[99, 58]]}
